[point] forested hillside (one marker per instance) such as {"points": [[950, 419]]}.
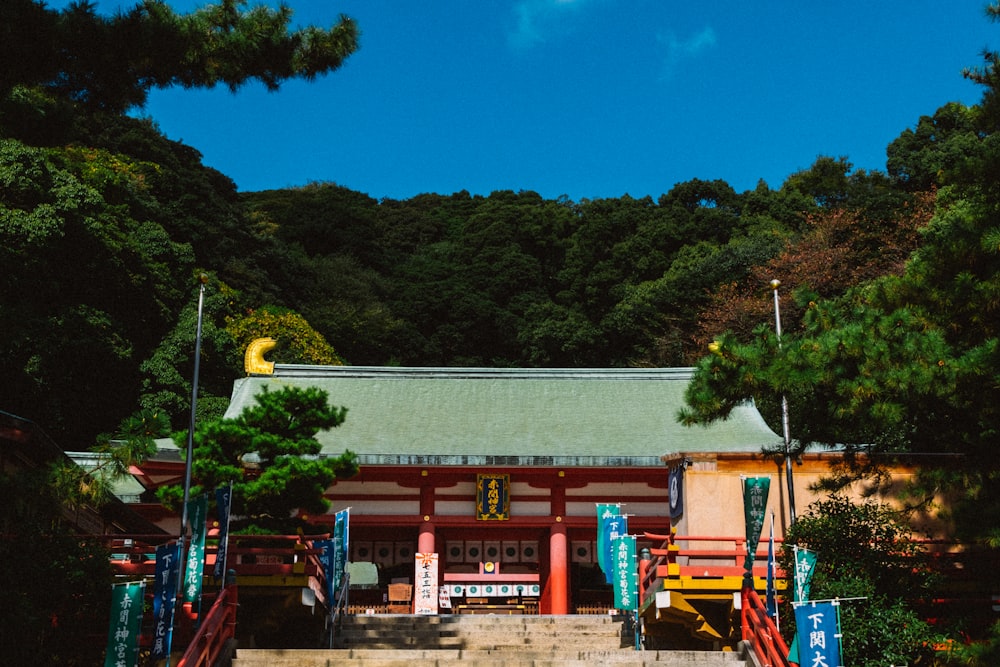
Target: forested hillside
{"points": [[105, 223], [890, 280], [512, 279]]}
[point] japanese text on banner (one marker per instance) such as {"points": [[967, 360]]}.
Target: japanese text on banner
{"points": [[126, 620]]}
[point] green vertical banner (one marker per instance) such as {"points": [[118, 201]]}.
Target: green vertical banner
{"points": [[805, 563], [195, 566], [755, 490], [626, 572], [126, 623]]}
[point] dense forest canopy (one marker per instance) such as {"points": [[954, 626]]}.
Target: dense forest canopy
{"points": [[104, 224]]}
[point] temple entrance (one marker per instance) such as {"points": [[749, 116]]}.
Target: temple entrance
{"points": [[492, 569]]}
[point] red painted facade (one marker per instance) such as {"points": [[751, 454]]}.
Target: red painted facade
{"points": [[557, 521]]}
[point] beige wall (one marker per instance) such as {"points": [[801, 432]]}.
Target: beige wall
{"points": [[713, 500]]}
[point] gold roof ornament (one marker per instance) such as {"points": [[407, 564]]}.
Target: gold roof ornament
{"points": [[254, 362]]}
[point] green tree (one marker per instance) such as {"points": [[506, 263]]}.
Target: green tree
{"points": [[131, 444], [865, 551], [901, 365], [837, 249], [297, 341], [168, 370], [56, 595], [348, 303], [56, 592], [324, 218], [272, 458], [112, 62], [939, 150], [653, 319], [906, 364], [87, 285]]}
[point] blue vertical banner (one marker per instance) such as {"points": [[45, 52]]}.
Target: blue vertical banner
{"points": [[168, 569], [198, 513], [327, 551], [126, 622], [340, 537], [626, 572], [223, 505], [818, 633], [604, 512], [346, 531], [676, 490], [614, 527]]}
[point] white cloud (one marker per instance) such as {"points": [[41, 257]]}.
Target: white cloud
{"points": [[679, 50], [536, 20]]}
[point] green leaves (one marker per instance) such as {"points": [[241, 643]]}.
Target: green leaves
{"points": [[270, 455], [297, 341], [111, 63], [865, 551], [55, 593]]}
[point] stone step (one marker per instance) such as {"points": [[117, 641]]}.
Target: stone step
{"points": [[361, 632], [509, 646], [483, 641], [445, 630], [450, 658], [478, 632], [484, 619]]}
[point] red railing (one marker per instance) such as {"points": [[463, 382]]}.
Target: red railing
{"points": [[719, 557], [760, 632], [715, 556], [215, 631], [269, 556]]}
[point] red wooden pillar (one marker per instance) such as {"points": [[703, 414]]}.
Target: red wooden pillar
{"points": [[558, 569], [425, 541]]}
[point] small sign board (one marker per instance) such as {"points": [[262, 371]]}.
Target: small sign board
{"points": [[492, 497]]}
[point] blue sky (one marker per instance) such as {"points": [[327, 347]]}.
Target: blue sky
{"points": [[587, 98]]}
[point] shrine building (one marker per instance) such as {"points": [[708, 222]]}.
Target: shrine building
{"points": [[499, 470]]}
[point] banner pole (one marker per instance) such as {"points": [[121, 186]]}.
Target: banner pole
{"points": [[202, 279]]}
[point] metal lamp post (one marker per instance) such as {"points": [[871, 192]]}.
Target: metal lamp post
{"points": [[784, 412], [194, 402]]}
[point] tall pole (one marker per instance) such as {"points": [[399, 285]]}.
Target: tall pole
{"points": [[202, 278], [786, 429]]}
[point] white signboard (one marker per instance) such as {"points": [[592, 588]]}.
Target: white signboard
{"points": [[425, 590]]}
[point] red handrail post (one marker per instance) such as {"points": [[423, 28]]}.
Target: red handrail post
{"points": [[216, 629], [760, 632], [233, 603], [745, 613]]}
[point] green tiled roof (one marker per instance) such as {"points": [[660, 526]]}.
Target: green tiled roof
{"points": [[489, 416], [127, 488]]}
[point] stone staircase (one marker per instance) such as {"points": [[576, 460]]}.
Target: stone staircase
{"points": [[483, 641]]}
